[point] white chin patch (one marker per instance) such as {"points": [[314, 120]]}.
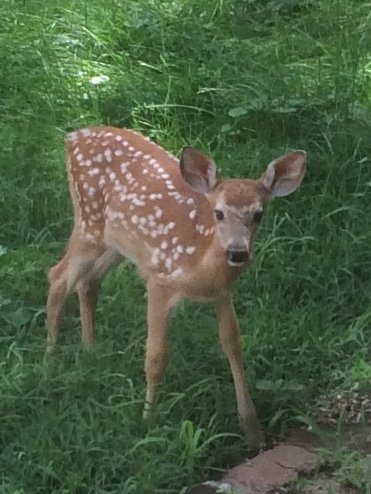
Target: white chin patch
{"points": [[236, 264]]}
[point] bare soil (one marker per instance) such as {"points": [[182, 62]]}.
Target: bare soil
{"points": [[343, 422], [353, 437], [321, 484]]}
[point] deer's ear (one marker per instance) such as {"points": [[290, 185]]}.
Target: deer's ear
{"points": [[285, 174], [198, 170]]}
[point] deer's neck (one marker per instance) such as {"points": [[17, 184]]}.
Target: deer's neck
{"points": [[210, 277]]}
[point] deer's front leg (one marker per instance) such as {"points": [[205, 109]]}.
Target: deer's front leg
{"points": [[229, 334], [160, 302]]}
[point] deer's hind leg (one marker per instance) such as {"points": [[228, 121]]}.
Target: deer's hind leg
{"points": [[88, 289], [63, 278]]}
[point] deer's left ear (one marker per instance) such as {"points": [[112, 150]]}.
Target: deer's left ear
{"points": [[198, 170], [285, 174]]}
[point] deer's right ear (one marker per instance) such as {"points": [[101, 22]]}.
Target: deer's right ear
{"points": [[198, 170]]}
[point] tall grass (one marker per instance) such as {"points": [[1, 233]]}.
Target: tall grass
{"points": [[245, 81]]}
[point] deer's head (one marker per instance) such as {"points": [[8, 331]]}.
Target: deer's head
{"points": [[239, 204]]}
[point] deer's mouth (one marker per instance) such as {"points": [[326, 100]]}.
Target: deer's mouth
{"points": [[237, 257], [236, 264]]}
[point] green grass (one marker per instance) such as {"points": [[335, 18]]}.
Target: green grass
{"points": [[348, 470], [245, 81]]}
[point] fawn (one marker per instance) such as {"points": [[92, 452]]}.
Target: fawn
{"points": [[189, 232]]}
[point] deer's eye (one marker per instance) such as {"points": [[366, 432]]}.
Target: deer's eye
{"points": [[219, 214], [257, 217]]}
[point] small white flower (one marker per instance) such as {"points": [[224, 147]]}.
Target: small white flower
{"points": [[99, 79]]}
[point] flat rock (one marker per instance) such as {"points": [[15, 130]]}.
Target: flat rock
{"points": [[202, 489], [270, 470]]}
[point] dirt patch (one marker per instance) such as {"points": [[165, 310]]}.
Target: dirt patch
{"points": [[343, 420], [355, 437], [343, 430], [343, 427], [321, 484], [344, 408]]}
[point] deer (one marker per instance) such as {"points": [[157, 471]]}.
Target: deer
{"points": [[190, 233]]}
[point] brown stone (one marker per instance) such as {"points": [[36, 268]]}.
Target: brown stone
{"points": [[201, 489], [271, 469], [267, 471], [290, 457]]}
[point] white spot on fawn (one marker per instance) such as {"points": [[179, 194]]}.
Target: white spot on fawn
{"points": [[93, 172], [190, 250], [176, 273], [108, 155], [155, 255], [124, 167], [159, 212]]}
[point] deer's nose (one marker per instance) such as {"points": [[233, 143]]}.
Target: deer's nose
{"points": [[237, 255]]}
